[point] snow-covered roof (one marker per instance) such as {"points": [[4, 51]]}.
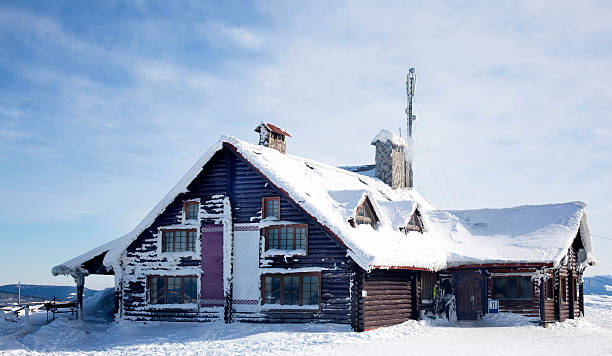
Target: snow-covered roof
{"points": [[527, 234]]}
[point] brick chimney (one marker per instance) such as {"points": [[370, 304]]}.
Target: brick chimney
{"points": [[272, 136], [391, 159]]}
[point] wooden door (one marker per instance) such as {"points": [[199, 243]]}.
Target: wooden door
{"points": [[212, 294], [468, 294]]}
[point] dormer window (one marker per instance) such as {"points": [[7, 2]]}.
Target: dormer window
{"points": [[190, 210], [270, 208], [365, 215], [415, 223]]}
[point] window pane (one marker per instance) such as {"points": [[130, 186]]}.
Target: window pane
{"points": [[272, 290], [174, 290], [499, 288], [525, 287], [310, 290], [273, 238], [512, 288], [291, 290], [167, 243], [285, 236], [192, 211], [549, 288], [271, 208], [158, 290], [180, 243], [300, 238], [191, 290], [576, 289], [192, 239], [563, 290], [362, 211]]}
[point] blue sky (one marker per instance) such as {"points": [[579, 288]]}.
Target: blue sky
{"points": [[105, 105]]}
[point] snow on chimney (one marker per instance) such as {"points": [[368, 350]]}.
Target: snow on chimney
{"points": [[272, 136]]}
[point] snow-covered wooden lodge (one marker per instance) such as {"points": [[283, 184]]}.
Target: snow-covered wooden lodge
{"points": [[252, 233]]}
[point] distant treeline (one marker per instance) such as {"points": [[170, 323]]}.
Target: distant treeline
{"points": [[11, 298]]}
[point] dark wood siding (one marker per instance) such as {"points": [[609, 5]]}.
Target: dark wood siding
{"points": [[142, 253], [548, 309], [249, 186], [245, 188], [384, 298], [568, 271]]}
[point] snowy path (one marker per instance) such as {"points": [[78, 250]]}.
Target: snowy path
{"points": [[501, 335]]}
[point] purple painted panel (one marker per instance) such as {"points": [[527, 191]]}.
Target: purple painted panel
{"points": [[212, 266]]}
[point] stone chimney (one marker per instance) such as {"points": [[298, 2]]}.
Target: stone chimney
{"points": [[391, 159], [272, 136]]}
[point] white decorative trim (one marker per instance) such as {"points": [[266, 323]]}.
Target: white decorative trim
{"points": [[250, 227], [246, 301], [212, 229]]}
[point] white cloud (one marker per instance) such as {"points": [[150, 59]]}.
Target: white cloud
{"points": [[240, 37]]}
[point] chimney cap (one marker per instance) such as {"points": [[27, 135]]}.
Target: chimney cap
{"points": [[272, 128], [386, 135]]}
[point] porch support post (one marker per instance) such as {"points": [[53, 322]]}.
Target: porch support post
{"points": [[80, 286]]}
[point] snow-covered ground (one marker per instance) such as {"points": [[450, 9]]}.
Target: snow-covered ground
{"points": [[502, 334]]}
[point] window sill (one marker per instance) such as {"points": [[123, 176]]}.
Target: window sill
{"points": [[284, 253], [290, 308], [179, 254], [186, 306]]}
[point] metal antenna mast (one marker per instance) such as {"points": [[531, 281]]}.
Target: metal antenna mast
{"points": [[410, 82]]}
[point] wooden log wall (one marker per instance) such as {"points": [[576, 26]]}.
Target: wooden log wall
{"points": [[142, 253], [554, 309], [384, 298], [547, 310], [249, 186], [570, 308], [245, 188]]}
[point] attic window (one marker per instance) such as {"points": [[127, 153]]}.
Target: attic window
{"points": [[365, 215], [270, 207], [190, 210], [415, 223]]}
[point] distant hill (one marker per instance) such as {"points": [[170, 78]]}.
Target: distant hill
{"points": [[47, 292], [7, 298], [598, 285]]}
